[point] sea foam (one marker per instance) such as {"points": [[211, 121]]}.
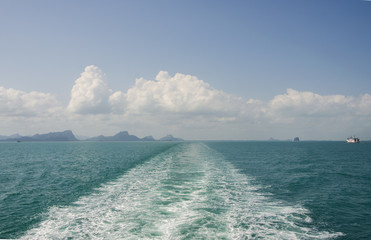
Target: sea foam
{"points": [[187, 192]]}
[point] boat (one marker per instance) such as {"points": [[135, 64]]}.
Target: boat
{"points": [[353, 140]]}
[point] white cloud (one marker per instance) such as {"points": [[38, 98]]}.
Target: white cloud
{"points": [[296, 106], [180, 94], [310, 104], [186, 107], [90, 94], [190, 107], [18, 103], [364, 107], [317, 116], [29, 112], [117, 102]]}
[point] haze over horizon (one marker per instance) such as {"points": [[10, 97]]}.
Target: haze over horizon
{"points": [[247, 70]]}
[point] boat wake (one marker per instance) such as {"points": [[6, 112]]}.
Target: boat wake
{"points": [[186, 192]]}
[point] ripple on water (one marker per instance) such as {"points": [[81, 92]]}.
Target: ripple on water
{"points": [[187, 192]]}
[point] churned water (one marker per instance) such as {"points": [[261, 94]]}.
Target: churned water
{"points": [[185, 190]]}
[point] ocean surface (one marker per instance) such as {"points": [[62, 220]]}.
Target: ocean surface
{"points": [[185, 190]]}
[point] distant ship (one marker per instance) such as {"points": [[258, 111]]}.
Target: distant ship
{"points": [[352, 140]]}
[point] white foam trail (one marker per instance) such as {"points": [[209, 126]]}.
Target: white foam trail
{"points": [[188, 192]]}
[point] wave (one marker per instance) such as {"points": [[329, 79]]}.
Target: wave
{"points": [[187, 192]]}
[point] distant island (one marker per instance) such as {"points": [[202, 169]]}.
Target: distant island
{"points": [[52, 136], [296, 139], [121, 136], [271, 139], [125, 136], [170, 138], [67, 135]]}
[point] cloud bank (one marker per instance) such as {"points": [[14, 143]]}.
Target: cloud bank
{"points": [[190, 108], [15, 103]]}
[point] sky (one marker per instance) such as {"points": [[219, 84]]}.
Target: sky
{"points": [[200, 70]]}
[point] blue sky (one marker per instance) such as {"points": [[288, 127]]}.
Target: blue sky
{"points": [[249, 49]]}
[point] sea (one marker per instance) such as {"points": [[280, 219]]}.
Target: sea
{"points": [[185, 190]]}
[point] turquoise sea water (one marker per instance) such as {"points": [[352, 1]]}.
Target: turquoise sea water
{"points": [[185, 190]]}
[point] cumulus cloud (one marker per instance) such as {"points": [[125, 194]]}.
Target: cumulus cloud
{"points": [[188, 107], [309, 104], [185, 102], [18, 103], [29, 112], [365, 105], [179, 94], [117, 102], [91, 95]]}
